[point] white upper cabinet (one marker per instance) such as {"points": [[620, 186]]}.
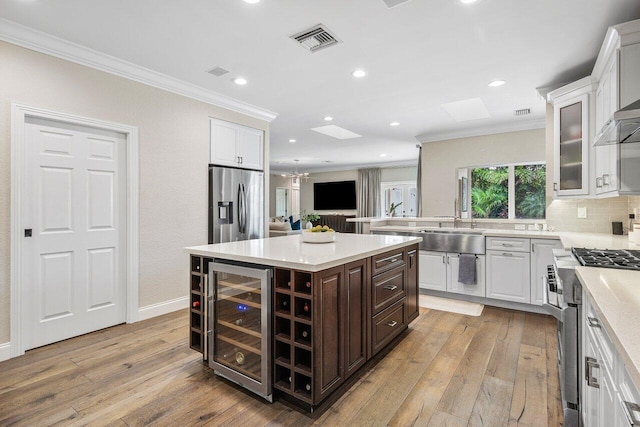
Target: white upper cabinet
{"points": [[572, 139], [236, 145], [617, 73]]}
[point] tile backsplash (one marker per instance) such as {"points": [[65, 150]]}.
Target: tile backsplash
{"points": [[563, 214]]}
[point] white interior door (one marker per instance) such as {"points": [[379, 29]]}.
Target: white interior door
{"points": [[74, 203]]}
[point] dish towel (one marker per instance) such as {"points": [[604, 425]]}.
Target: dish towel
{"points": [[467, 269]]}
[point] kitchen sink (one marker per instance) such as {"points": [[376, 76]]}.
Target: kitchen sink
{"points": [[454, 240], [453, 230]]}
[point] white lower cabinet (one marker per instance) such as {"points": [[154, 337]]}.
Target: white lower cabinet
{"points": [[453, 285], [439, 271], [607, 389], [508, 276], [433, 270]]}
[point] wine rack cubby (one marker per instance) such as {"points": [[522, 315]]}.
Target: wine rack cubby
{"points": [[293, 344], [197, 304]]}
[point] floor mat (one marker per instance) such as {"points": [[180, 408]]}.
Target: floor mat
{"points": [[452, 305]]}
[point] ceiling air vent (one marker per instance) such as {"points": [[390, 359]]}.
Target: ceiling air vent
{"points": [[315, 38], [522, 112], [394, 3], [218, 71]]}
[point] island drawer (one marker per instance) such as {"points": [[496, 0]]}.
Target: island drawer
{"points": [[387, 325], [387, 288], [388, 260]]}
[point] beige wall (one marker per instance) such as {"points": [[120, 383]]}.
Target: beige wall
{"points": [[174, 138], [441, 159], [276, 181]]}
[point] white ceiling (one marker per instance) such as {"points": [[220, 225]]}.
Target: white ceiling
{"points": [[418, 56]]}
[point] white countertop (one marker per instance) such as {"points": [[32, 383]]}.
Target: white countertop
{"points": [[291, 252], [596, 240], [615, 295]]}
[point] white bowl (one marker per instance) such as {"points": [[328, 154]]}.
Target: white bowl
{"points": [[318, 237]]}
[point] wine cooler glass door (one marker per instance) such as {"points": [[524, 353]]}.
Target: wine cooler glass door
{"points": [[240, 345]]}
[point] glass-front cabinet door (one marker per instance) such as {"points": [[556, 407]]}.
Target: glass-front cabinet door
{"points": [[239, 323], [571, 146]]}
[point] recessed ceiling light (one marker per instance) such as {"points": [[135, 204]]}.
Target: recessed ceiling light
{"points": [[292, 140], [394, 124], [464, 1], [328, 118], [252, 1], [240, 81], [383, 155], [359, 73], [496, 83]]}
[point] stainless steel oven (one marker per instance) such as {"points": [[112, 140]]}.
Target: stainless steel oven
{"points": [[562, 299]]}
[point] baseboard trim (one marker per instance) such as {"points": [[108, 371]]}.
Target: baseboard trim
{"points": [[153, 310], [5, 351]]}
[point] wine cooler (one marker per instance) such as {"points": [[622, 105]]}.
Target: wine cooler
{"points": [[239, 327]]}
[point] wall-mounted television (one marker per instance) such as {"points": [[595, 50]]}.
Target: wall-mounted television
{"points": [[334, 195]]}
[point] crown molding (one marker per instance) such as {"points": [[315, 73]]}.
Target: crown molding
{"points": [[39, 41], [353, 167], [487, 130]]}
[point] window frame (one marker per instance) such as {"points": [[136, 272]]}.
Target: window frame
{"points": [[511, 202]]}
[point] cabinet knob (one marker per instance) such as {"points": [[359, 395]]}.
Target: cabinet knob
{"points": [[593, 322], [555, 186]]}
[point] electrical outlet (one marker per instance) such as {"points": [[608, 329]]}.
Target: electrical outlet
{"points": [[520, 227], [582, 213]]}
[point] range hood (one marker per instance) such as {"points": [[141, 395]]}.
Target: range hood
{"points": [[623, 128]]}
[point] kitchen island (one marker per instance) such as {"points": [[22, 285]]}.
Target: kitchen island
{"points": [[331, 308]]}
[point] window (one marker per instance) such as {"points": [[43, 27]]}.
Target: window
{"points": [[403, 194], [514, 191]]}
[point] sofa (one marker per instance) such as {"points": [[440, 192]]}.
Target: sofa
{"points": [[282, 227]]}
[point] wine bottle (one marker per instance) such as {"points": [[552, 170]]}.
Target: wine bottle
{"points": [[285, 304], [307, 387], [306, 307], [239, 321], [308, 284], [249, 297], [196, 304], [240, 358], [289, 379], [305, 333]]}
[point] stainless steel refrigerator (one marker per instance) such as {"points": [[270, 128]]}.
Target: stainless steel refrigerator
{"points": [[236, 204]]}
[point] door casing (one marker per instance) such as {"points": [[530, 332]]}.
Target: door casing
{"points": [[19, 114]]}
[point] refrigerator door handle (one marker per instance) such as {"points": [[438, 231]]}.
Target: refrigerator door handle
{"points": [[240, 208]]}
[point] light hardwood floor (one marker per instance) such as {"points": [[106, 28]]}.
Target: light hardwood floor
{"points": [[498, 369]]}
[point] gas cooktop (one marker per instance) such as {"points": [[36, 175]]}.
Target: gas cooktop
{"points": [[606, 258]]}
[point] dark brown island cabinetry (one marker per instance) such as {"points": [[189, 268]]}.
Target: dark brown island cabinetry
{"points": [[197, 304], [356, 310], [326, 324]]}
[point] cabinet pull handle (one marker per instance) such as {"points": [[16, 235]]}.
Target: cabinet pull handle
{"points": [[533, 248], [507, 254], [390, 287], [593, 322], [508, 245], [591, 363], [241, 160], [599, 182], [392, 323], [443, 259], [629, 409], [605, 179]]}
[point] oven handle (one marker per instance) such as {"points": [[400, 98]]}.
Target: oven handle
{"points": [[556, 312]]}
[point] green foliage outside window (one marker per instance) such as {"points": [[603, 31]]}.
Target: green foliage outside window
{"points": [[530, 191], [490, 192]]}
